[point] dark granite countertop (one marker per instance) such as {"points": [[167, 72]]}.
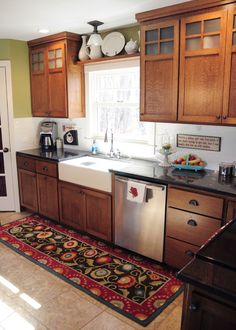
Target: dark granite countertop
{"points": [[206, 180], [214, 266], [54, 155]]}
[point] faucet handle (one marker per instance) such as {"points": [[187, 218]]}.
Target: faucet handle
{"points": [[105, 137], [118, 153]]}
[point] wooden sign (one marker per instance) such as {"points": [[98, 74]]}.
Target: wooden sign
{"points": [[211, 143]]}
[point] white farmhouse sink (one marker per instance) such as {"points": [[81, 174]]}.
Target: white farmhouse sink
{"points": [[89, 171]]}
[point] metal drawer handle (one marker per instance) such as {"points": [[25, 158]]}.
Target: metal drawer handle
{"points": [[193, 202], [193, 307], [192, 222], [26, 163], [189, 253], [45, 168]]}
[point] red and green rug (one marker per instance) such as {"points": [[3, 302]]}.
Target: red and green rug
{"points": [[133, 286]]}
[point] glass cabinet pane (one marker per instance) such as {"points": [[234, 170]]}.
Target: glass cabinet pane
{"points": [[151, 35], [211, 42], [41, 66], [234, 21], [59, 63], [193, 28], [193, 44], [35, 57], [151, 49], [41, 56], [212, 25], [51, 64], [167, 47], [58, 52], [35, 67], [167, 33], [234, 38], [51, 53]]}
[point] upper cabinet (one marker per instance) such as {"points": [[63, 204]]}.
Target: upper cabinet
{"points": [[159, 71], [194, 79], [57, 83]]}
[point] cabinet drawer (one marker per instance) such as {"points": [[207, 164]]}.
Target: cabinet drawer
{"points": [[189, 227], [177, 253], [197, 203], [26, 163], [46, 168]]}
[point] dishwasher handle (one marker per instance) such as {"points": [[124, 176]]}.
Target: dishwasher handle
{"points": [[148, 185]]}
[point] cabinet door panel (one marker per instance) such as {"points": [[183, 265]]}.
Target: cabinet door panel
{"points": [[72, 205], [98, 214], [28, 190], [48, 196], [229, 110], [202, 52], [159, 71]]}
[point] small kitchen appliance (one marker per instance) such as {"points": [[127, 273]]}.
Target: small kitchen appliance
{"points": [[48, 135], [226, 169]]}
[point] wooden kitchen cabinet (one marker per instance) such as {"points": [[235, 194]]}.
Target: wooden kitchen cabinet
{"points": [[191, 219], [231, 210], [205, 84], [57, 83], [159, 71], [38, 186], [85, 209]]}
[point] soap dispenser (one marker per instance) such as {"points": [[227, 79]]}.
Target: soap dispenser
{"points": [[94, 148]]}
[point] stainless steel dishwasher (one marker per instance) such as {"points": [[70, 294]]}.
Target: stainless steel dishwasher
{"points": [[140, 226]]}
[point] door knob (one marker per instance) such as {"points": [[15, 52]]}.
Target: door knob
{"points": [[5, 150]]}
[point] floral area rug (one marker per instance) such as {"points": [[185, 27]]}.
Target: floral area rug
{"points": [[133, 286]]}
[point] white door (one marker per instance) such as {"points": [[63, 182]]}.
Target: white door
{"points": [[7, 158]]}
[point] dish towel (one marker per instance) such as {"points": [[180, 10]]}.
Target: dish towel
{"points": [[136, 192]]}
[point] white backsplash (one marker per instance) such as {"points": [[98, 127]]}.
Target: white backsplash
{"points": [[27, 137]]}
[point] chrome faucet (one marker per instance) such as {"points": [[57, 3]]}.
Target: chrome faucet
{"points": [[111, 152]]}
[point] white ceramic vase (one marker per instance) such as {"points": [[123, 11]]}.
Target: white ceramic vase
{"points": [[83, 56]]}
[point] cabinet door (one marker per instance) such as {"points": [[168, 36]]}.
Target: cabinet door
{"points": [[231, 211], [57, 89], [72, 205], [48, 196], [159, 71], [229, 110], [28, 189], [98, 214], [206, 313], [202, 51], [39, 85]]}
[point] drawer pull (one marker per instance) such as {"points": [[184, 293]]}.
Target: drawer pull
{"points": [[26, 163], [193, 202], [192, 222], [45, 168], [189, 253], [193, 307]]}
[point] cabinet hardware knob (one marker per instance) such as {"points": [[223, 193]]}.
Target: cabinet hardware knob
{"points": [[45, 168], [193, 202], [26, 163], [224, 117], [218, 117], [189, 253], [192, 222], [5, 150], [193, 307]]}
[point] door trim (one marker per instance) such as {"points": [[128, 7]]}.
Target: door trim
{"points": [[7, 66]]}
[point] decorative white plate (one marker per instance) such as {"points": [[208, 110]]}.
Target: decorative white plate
{"points": [[113, 44]]}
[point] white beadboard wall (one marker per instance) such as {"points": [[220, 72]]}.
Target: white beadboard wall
{"points": [[27, 137]]}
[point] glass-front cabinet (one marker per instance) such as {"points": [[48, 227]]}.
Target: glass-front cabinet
{"points": [[202, 53], [159, 71]]}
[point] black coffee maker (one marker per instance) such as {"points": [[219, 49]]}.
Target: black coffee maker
{"points": [[48, 135]]}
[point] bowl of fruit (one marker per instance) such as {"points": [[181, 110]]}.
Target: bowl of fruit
{"points": [[189, 162]]}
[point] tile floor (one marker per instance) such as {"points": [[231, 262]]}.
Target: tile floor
{"points": [[32, 298]]}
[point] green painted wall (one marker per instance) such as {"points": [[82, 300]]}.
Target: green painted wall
{"points": [[17, 52]]}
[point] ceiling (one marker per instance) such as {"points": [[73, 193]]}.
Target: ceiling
{"points": [[22, 19]]}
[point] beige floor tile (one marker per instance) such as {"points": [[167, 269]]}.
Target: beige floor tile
{"points": [[172, 320], [89, 298], [106, 321], [6, 217], [67, 311]]}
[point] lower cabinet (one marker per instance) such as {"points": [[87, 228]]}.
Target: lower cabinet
{"points": [[203, 310], [28, 189], [85, 209]]}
